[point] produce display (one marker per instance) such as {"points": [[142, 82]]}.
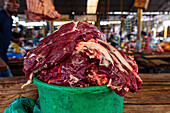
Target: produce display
{"points": [[165, 46], [77, 55]]}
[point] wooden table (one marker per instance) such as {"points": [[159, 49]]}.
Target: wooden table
{"points": [[160, 56], [148, 63], [16, 68], [154, 97]]}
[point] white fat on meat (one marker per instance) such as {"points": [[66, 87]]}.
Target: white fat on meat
{"points": [[28, 82], [73, 79], [121, 58], [30, 78], [32, 55], [74, 29], [92, 45], [113, 87]]}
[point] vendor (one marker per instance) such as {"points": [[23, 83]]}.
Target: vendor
{"points": [[9, 8]]}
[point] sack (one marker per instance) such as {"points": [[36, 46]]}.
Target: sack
{"points": [[23, 105]]}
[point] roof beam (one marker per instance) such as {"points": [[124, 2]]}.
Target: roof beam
{"points": [[163, 4], [130, 6], [69, 8]]}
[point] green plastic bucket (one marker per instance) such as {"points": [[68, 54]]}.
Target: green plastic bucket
{"points": [[66, 99]]}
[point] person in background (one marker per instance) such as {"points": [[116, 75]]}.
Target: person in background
{"points": [[16, 44], [21, 31], [36, 40], [153, 41], [147, 41], [111, 40], [10, 7], [117, 39], [143, 40], [127, 45]]}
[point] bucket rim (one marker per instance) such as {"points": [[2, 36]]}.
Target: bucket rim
{"points": [[88, 89]]}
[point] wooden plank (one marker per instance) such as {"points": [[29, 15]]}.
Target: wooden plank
{"points": [[13, 80], [159, 62], [10, 88], [153, 65], [8, 92], [157, 56], [155, 91], [149, 95], [155, 83], [145, 62], [155, 77], [137, 56], [146, 108], [16, 68]]}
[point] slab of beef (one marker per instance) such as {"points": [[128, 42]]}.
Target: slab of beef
{"points": [[77, 54], [58, 46]]}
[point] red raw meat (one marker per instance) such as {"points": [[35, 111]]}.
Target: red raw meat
{"points": [[77, 54]]}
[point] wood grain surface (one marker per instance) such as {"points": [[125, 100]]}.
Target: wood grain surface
{"points": [[161, 56], [154, 97]]}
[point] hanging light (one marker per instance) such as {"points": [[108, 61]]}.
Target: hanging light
{"points": [[92, 6]]}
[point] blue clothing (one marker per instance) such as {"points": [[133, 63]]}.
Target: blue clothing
{"points": [[6, 73], [5, 34], [35, 41]]}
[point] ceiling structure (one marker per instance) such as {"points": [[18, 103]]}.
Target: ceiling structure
{"points": [[78, 7]]}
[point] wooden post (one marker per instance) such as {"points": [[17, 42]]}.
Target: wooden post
{"points": [[165, 31], [16, 27], [98, 20], [139, 27], [122, 25], [51, 26], [101, 12], [108, 5], [121, 7], [51, 22], [43, 30]]}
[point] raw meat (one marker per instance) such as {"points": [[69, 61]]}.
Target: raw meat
{"points": [[77, 54]]}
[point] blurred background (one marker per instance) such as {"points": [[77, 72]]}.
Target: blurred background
{"points": [[140, 28]]}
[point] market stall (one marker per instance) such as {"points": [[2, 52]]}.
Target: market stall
{"points": [[81, 44]]}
